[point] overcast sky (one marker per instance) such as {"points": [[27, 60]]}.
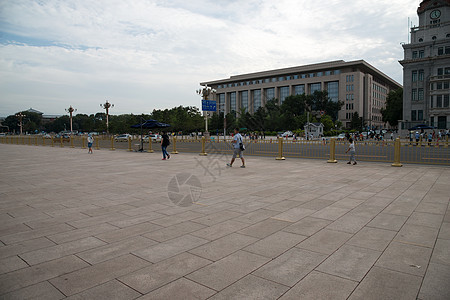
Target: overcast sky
{"points": [[151, 54]]}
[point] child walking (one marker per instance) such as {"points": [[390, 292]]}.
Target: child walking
{"points": [[352, 150]]}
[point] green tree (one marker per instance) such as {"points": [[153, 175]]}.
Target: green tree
{"points": [[327, 122], [356, 122], [394, 107]]}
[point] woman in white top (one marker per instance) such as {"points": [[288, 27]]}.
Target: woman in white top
{"points": [[352, 150]]}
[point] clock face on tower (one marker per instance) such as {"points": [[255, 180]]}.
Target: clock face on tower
{"points": [[435, 14]]}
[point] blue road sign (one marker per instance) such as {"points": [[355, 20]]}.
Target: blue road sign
{"points": [[208, 105]]}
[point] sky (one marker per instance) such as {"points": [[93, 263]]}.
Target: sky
{"points": [[142, 55]]}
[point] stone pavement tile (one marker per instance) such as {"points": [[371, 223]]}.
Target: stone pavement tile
{"points": [[405, 258], [146, 209], [425, 219], [24, 277], [256, 216], [219, 230], [170, 248], [283, 205], [325, 241], [379, 201], [294, 214], [77, 234], [444, 232], [386, 284], [61, 250], [275, 244], [330, 213], [25, 246], [432, 208], [417, 235], [174, 231], [372, 238], [78, 206], [228, 270], [224, 246], [157, 275], [126, 232], [11, 263], [180, 289], [264, 228], [217, 217], [109, 251], [303, 197], [37, 224], [110, 290], [388, 221], [106, 210], [349, 223], [400, 208], [136, 219], [317, 204], [362, 195], [8, 228], [249, 206], [92, 221], [178, 218], [366, 210], [441, 252], [291, 266], [42, 290], [350, 262], [317, 285], [333, 196], [435, 284], [75, 282], [307, 226], [252, 287], [349, 203], [33, 234]]}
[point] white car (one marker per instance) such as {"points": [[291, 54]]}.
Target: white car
{"points": [[287, 134], [341, 137], [122, 137], [156, 138]]}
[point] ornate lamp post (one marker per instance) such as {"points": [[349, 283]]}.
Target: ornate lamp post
{"points": [[206, 92], [70, 110], [107, 106], [20, 116]]}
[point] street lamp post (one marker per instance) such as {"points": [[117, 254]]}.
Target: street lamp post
{"points": [[70, 110], [107, 106], [205, 93], [20, 116]]}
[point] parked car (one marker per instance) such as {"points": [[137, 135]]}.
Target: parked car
{"points": [[156, 138], [287, 134], [122, 137], [341, 137]]}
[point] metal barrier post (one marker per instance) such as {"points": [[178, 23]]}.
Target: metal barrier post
{"points": [[112, 144], [53, 142], [397, 153], [332, 151], [83, 142], [174, 150], [280, 149], [71, 142], [96, 144], [203, 147], [129, 143], [150, 142], [43, 141], [61, 141], [446, 141], [35, 141]]}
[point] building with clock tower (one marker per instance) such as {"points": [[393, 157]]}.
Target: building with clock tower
{"points": [[426, 68]]}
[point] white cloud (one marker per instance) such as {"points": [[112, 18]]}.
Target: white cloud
{"points": [[143, 54]]}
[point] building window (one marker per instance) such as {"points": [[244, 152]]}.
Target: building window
{"points": [[442, 122], [328, 73], [421, 53], [414, 76], [319, 74], [439, 86], [244, 100], [333, 90], [299, 89], [431, 102], [446, 100], [439, 101], [421, 75], [233, 102], [414, 54], [295, 76], [256, 99], [274, 79], [420, 115], [337, 72], [315, 87], [420, 94], [414, 95], [440, 71], [221, 98], [269, 94], [280, 78], [284, 92], [413, 115], [447, 50], [441, 51]]}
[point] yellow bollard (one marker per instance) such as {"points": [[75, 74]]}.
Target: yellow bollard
{"points": [[150, 142], [83, 142], [96, 144], [61, 142], [174, 150], [43, 141], [397, 153], [112, 144], [280, 149], [203, 147], [53, 142], [71, 142], [446, 141], [129, 144], [332, 151]]}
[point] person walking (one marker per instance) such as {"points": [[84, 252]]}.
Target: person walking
{"points": [[90, 141], [238, 148], [352, 150], [164, 144]]}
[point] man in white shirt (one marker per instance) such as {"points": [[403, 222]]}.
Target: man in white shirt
{"points": [[237, 142]]}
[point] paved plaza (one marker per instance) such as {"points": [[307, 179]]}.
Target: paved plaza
{"points": [[126, 225]]}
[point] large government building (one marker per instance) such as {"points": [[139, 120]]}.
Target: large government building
{"points": [[426, 68], [361, 87]]}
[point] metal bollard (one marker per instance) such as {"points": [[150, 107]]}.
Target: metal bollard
{"points": [[96, 144], [397, 146], [280, 149], [43, 141], [129, 144], [446, 141], [53, 142], [203, 147], [83, 142], [71, 142], [332, 151], [174, 150], [61, 142], [112, 144]]}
